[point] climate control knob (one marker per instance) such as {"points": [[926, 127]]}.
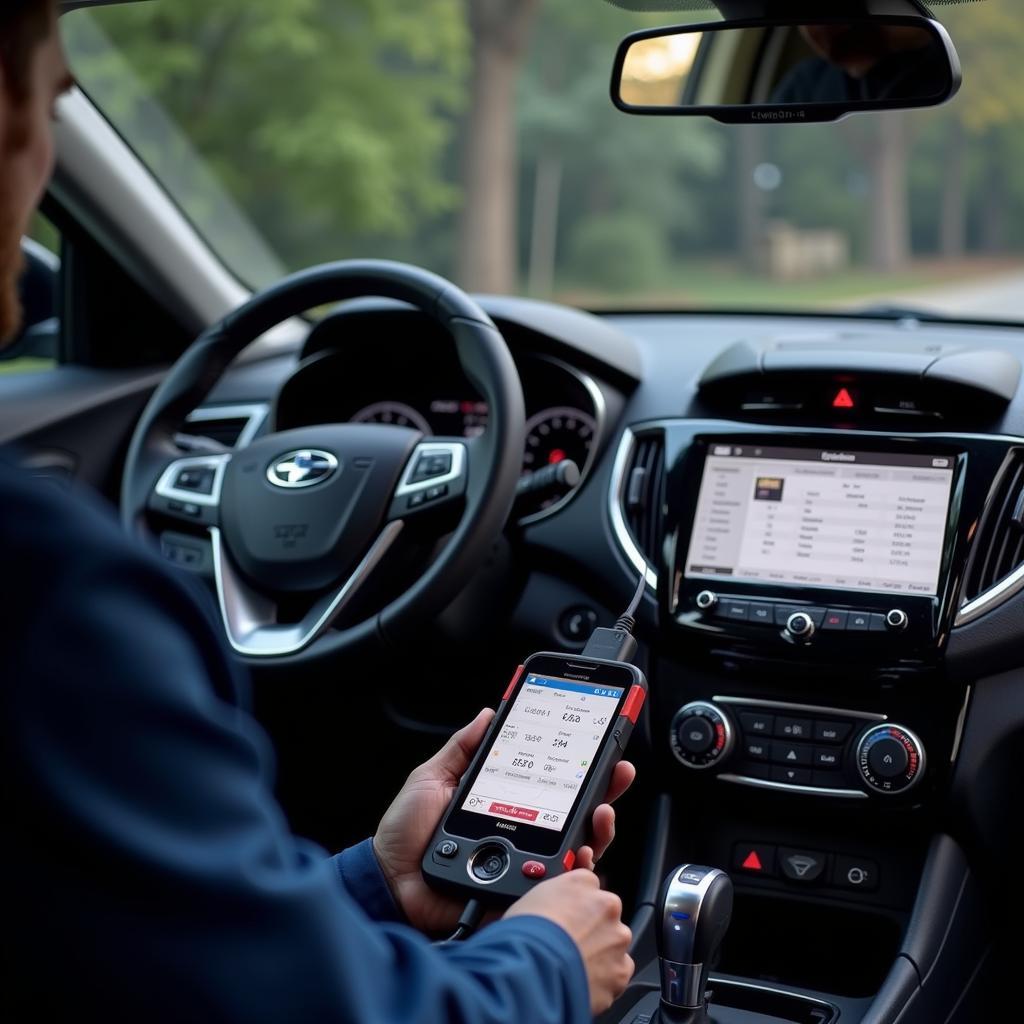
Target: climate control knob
{"points": [[702, 735], [896, 620], [890, 759]]}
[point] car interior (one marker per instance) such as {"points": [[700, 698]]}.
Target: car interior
{"points": [[826, 504]]}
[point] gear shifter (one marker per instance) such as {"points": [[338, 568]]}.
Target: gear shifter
{"points": [[696, 906]]}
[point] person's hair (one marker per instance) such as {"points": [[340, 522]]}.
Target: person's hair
{"points": [[24, 24]]}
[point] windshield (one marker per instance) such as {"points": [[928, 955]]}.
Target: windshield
{"points": [[477, 138]]}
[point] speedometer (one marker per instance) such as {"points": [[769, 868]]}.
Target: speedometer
{"points": [[396, 414], [557, 434]]}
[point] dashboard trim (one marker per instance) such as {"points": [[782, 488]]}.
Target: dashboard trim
{"points": [[818, 709], [785, 787], [616, 493], [255, 414]]}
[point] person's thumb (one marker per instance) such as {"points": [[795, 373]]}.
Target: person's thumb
{"points": [[452, 760]]}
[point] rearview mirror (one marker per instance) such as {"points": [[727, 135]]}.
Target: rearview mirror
{"points": [[753, 71]]}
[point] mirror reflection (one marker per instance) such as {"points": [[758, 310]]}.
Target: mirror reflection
{"points": [[866, 61]]}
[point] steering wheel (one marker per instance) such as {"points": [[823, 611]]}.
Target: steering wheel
{"points": [[299, 521]]}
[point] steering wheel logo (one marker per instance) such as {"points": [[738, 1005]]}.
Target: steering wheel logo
{"points": [[303, 468]]}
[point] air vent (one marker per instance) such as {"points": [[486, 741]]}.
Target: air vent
{"points": [[217, 428], [644, 495], [999, 543]]}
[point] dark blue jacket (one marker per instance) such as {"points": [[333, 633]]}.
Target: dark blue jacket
{"points": [[149, 874]]}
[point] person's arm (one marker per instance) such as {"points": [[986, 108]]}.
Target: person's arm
{"points": [[157, 878]]}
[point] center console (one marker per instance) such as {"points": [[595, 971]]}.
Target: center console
{"points": [[802, 713]]}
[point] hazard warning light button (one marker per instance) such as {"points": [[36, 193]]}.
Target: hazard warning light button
{"points": [[754, 858]]}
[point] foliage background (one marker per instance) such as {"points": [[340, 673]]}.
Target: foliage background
{"points": [[476, 137]]}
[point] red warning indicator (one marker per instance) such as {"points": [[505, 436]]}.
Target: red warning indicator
{"points": [[843, 400], [753, 862]]}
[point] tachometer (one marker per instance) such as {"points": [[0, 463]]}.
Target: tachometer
{"points": [[396, 414], [557, 434]]}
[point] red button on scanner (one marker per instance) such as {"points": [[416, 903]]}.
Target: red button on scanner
{"points": [[534, 869], [569, 860]]}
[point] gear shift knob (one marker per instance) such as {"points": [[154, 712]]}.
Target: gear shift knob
{"points": [[696, 906]]}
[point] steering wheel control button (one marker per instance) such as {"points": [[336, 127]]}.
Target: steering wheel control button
{"points": [[804, 866], [897, 620], [534, 869], [196, 478], [447, 848], [754, 858], [701, 735], [831, 732], [489, 863], [890, 759], [706, 600], [756, 724], [855, 873], [431, 465], [835, 621], [793, 728], [416, 500], [438, 491]]}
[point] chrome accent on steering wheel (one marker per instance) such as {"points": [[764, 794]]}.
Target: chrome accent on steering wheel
{"points": [[249, 617]]}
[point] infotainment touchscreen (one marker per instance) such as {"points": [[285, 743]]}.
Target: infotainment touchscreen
{"points": [[821, 518]]}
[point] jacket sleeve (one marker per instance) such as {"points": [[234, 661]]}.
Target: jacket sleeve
{"points": [[156, 877], [361, 875]]}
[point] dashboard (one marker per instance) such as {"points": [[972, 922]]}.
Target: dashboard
{"points": [[348, 373]]}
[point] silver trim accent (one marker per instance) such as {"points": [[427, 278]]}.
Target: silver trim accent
{"points": [[689, 709], [961, 721], [615, 495], [455, 449], [476, 853], [1001, 592], [867, 716], [724, 979], [255, 416], [279, 470], [165, 485], [787, 787], [600, 416], [915, 739], [249, 617]]}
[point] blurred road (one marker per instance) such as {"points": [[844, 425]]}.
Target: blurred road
{"points": [[999, 298]]}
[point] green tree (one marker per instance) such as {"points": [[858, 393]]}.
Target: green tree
{"points": [[323, 119]]}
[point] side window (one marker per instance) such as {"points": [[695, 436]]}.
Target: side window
{"points": [[36, 346]]}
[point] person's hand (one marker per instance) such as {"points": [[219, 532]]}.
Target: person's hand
{"points": [[410, 821], [593, 918]]}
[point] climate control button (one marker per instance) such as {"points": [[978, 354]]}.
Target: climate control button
{"points": [[702, 735], [890, 759]]}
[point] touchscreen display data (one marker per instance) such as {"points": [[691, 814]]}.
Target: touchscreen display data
{"points": [[802, 517], [544, 751]]}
